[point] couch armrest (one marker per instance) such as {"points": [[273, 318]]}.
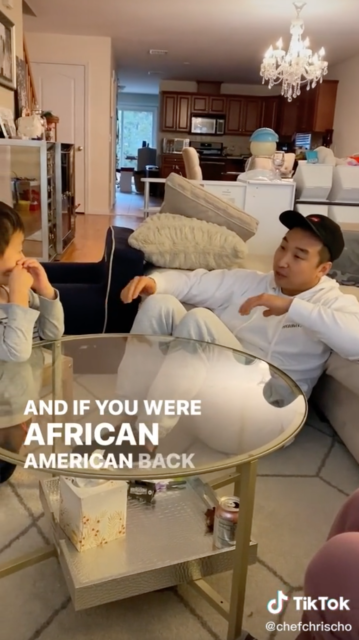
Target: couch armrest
{"points": [[127, 264], [74, 272]]}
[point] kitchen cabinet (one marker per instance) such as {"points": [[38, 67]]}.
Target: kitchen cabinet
{"points": [[244, 115], [312, 112], [175, 112], [209, 104], [183, 113], [234, 116], [172, 163], [200, 104], [217, 104], [288, 118], [252, 115], [270, 110], [169, 112]]}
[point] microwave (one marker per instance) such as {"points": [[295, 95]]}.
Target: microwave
{"points": [[208, 125]]}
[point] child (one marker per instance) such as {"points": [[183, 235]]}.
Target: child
{"points": [[30, 310]]}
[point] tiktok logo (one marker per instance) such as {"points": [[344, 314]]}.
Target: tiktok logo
{"points": [[276, 605]]}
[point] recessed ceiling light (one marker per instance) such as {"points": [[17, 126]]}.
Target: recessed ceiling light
{"points": [[158, 52]]}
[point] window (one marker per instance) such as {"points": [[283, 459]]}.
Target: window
{"points": [[135, 126]]}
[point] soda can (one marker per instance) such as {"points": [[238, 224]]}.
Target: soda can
{"points": [[225, 522]]}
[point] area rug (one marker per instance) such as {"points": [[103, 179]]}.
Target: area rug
{"points": [[299, 491]]}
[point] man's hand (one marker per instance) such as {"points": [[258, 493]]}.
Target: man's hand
{"points": [[274, 305], [41, 284], [20, 283], [140, 284]]}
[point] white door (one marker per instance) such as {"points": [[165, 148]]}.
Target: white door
{"points": [[61, 89]]}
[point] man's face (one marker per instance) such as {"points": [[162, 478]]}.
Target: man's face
{"points": [[296, 263], [12, 255]]}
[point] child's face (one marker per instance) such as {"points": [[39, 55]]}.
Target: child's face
{"points": [[11, 257]]}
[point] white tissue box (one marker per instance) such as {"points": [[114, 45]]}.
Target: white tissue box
{"points": [[93, 516]]}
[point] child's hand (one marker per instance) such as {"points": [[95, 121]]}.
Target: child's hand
{"points": [[20, 282], [40, 280]]}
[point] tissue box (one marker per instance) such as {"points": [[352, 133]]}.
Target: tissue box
{"points": [[93, 516]]}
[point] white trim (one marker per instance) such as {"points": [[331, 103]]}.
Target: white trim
{"points": [[87, 137]]}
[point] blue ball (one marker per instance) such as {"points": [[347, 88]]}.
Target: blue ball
{"points": [[264, 135]]}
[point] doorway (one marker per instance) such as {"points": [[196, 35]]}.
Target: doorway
{"points": [[135, 127], [61, 89]]}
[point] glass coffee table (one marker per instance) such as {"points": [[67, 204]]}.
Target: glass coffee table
{"points": [[206, 414]]}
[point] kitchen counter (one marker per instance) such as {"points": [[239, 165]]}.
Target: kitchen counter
{"points": [[213, 167]]}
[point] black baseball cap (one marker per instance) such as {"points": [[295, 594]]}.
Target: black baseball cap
{"points": [[328, 231]]}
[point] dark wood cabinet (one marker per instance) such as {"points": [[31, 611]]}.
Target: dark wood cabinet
{"points": [[217, 104], [175, 112], [270, 110], [234, 116], [183, 113], [252, 115], [312, 112], [243, 115], [325, 104], [172, 163], [287, 118], [169, 112], [200, 104]]}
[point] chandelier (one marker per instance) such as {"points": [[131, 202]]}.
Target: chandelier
{"points": [[296, 67]]}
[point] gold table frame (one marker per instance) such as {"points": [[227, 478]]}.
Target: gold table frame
{"points": [[244, 479]]}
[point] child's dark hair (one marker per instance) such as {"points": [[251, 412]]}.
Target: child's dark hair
{"points": [[10, 223]]}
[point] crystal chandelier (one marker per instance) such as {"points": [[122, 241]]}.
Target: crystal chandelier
{"points": [[297, 66]]}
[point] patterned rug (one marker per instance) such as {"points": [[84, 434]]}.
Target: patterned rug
{"points": [[299, 491]]}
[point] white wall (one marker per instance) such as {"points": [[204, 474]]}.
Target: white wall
{"points": [[137, 100], [15, 15], [346, 122], [96, 54]]}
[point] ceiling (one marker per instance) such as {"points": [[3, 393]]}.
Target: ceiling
{"points": [[222, 40]]}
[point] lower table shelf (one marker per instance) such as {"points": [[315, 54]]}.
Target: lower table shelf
{"points": [[166, 544]]}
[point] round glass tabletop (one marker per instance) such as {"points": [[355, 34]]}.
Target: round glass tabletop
{"points": [[122, 406]]}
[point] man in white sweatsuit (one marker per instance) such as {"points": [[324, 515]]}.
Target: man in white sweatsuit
{"points": [[292, 318]]}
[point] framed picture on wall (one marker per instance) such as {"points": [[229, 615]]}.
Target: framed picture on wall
{"points": [[7, 123], [7, 53], [3, 129]]}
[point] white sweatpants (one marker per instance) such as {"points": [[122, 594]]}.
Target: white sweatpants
{"points": [[236, 417]]}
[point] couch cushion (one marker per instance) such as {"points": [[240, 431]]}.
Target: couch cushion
{"points": [[344, 371], [185, 198], [177, 242]]}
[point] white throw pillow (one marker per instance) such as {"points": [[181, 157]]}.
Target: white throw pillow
{"points": [[176, 242], [186, 198]]}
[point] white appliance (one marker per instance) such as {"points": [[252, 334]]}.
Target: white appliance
{"points": [[174, 145], [208, 125], [265, 201], [314, 181], [345, 184]]}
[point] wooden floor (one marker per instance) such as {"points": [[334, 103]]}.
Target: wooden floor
{"points": [[89, 243]]}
